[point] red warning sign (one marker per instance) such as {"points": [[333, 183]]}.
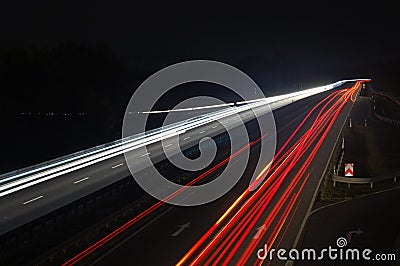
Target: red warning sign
{"points": [[349, 169]]}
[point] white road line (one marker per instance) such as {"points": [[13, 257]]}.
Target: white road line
{"points": [[168, 145], [118, 165], [29, 201], [186, 138], [201, 132], [81, 180], [147, 153], [214, 126]]}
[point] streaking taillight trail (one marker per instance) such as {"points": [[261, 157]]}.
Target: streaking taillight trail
{"points": [[220, 244], [222, 240]]}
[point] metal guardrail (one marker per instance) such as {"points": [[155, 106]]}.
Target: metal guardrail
{"points": [[363, 180]]}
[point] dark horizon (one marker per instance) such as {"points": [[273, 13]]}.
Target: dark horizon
{"points": [[333, 40]]}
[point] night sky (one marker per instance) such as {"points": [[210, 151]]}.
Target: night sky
{"points": [[328, 35], [282, 47]]}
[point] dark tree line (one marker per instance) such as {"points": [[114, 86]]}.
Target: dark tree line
{"points": [[70, 77]]}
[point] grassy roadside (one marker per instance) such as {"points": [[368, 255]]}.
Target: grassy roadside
{"points": [[375, 151]]}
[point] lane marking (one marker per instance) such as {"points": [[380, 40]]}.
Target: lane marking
{"points": [[29, 201], [201, 132], [81, 180], [168, 145], [186, 138], [214, 126], [181, 229], [118, 165], [147, 153]]}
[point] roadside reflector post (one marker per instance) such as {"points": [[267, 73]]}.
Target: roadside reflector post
{"points": [[350, 123], [372, 184]]}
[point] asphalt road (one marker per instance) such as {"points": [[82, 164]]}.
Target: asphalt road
{"points": [[156, 243], [375, 215], [25, 205]]}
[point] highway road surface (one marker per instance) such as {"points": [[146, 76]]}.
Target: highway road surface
{"points": [[49, 189], [233, 228]]}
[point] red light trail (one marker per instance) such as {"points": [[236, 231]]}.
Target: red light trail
{"points": [[228, 234], [221, 242], [154, 207]]}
